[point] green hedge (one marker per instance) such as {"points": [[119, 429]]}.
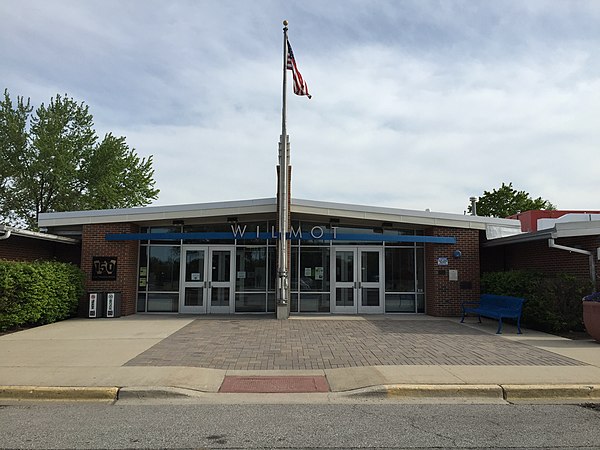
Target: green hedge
{"points": [[38, 293], [551, 304]]}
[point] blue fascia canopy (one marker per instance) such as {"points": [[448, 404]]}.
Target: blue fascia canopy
{"points": [[291, 236]]}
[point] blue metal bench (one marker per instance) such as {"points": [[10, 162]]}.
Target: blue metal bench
{"points": [[496, 307]]}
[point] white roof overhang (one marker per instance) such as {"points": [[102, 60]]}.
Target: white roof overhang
{"points": [[560, 230], [269, 205], [36, 235]]}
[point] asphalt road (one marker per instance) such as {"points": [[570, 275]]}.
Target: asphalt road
{"points": [[299, 426]]}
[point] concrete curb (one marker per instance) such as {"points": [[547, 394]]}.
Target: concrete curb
{"points": [[487, 391], [69, 393], [515, 392], [507, 392], [137, 393]]}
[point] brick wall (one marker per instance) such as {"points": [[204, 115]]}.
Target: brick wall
{"points": [[95, 244], [19, 248], [537, 256], [443, 298]]}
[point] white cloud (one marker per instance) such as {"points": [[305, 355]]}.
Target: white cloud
{"points": [[416, 104]]}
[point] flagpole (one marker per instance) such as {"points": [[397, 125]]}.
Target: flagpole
{"points": [[282, 243]]}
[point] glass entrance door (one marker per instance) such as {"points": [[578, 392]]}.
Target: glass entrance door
{"points": [[345, 281], [192, 295], [370, 281], [220, 283], [358, 280], [206, 280]]}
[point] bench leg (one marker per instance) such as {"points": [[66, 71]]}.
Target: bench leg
{"points": [[499, 327], [519, 326], [463, 318], [479, 319]]}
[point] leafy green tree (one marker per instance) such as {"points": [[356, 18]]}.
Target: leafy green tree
{"points": [[506, 201], [52, 160]]}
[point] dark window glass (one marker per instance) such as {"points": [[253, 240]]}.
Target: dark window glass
{"points": [[251, 269], [272, 268], [143, 269], [399, 303], [155, 230], [141, 303], [399, 269], [246, 302], [163, 270], [314, 269], [158, 302], [310, 302]]}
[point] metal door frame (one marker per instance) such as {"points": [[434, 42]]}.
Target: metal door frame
{"points": [[216, 284], [184, 284]]}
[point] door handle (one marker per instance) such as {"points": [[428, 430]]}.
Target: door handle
{"points": [[210, 284]]}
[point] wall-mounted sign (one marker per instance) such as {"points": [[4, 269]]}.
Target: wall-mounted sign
{"points": [[442, 261], [319, 273], [104, 268]]}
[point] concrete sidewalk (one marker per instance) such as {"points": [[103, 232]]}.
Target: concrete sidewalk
{"points": [[392, 355]]}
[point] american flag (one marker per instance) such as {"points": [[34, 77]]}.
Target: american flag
{"points": [[300, 86]]}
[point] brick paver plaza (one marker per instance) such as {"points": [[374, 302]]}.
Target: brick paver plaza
{"points": [[263, 343]]}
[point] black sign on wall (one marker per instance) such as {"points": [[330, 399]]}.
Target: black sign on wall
{"points": [[104, 268]]}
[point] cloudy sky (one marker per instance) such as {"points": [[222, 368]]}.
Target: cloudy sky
{"points": [[416, 104]]}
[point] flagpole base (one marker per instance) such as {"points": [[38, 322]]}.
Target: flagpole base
{"points": [[283, 311]]}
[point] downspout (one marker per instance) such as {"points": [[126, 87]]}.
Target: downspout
{"points": [[552, 244]]}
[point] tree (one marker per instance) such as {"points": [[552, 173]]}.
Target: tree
{"points": [[52, 160], [507, 201]]}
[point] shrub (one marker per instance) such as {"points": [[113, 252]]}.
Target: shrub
{"points": [[551, 304], [38, 293]]}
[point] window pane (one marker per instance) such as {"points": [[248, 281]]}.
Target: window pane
{"points": [[344, 266], [163, 302], [194, 297], [314, 302], [141, 303], [399, 303], [143, 269], [271, 301], [314, 269], [399, 270], [250, 302], [344, 297], [194, 265], [420, 271], [219, 296], [251, 269], [369, 267], [370, 297], [294, 302], [162, 230], [163, 270], [221, 265], [294, 269]]}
